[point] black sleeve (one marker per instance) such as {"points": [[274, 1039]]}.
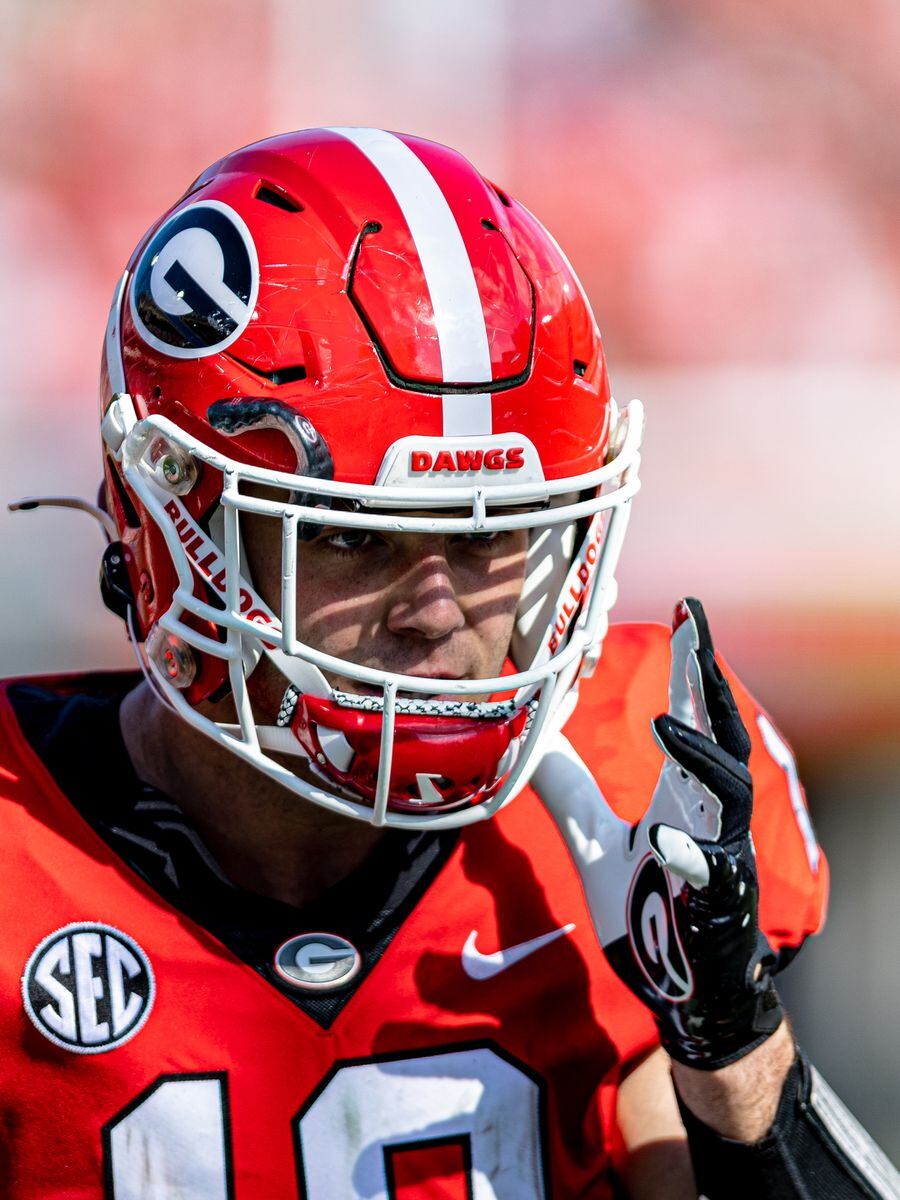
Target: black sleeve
{"points": [[815, 1150]]}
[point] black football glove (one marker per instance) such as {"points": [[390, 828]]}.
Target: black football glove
{"points": [[674, 898]]}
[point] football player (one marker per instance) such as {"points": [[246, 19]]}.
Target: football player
{"points": [[343, 897]]}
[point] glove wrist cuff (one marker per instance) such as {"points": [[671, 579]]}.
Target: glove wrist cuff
{"points": [[713, 1044]]}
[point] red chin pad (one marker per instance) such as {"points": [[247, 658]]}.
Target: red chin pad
{"points": [[439, 763]]}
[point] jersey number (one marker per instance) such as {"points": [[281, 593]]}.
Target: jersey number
{"points": [[467, 1117]]}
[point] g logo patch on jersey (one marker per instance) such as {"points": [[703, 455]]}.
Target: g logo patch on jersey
{"points": [[196, 283], [317, 962], [88, 987], [654, 934]]}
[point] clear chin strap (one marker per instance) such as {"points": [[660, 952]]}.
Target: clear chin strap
{"points": [[104, 520]]}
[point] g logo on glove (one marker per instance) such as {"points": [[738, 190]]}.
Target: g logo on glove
{"points": [[654, 933]]}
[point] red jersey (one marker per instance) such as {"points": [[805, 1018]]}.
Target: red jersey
{"points": [[142, 1059]]}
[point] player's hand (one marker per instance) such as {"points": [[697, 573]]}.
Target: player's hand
{"points": [[674, 898]]}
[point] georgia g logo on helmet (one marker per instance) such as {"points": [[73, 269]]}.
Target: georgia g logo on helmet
{"points": [[196, 283]]}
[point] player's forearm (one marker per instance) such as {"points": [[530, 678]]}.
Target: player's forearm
{"points": [[740, 1101], [752, 1136]]}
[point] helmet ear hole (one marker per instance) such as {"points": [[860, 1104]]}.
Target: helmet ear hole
{"points": [[115, 583]]}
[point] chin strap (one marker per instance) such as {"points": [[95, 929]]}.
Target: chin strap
{"points": [[29, 503], [125, 605]]}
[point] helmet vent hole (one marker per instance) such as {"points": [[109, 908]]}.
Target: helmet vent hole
{"points": [[278, 376], [579, 367], [288, 374], [489, 224], [271, 193], [504, 199]]}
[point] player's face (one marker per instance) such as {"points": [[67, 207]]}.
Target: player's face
{"points": [[438, 605]]}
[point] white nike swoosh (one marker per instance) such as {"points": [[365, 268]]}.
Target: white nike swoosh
{"points": [[483, 966]]}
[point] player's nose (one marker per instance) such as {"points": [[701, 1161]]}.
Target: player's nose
{"points": [[425, 603]]}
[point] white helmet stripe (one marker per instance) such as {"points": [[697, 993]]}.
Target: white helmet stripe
{"points": [[458, 314], [115, 367], [465, 415]]}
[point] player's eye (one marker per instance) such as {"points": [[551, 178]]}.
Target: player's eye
{"points": [[487, 545], [347, 541]]}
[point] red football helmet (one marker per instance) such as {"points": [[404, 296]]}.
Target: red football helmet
{"points": [[353, 328]]}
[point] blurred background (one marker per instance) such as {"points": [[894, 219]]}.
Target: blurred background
{"points": [[724, 175]]}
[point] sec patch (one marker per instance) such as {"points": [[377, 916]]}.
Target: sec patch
{"points": [[88, 987]]}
